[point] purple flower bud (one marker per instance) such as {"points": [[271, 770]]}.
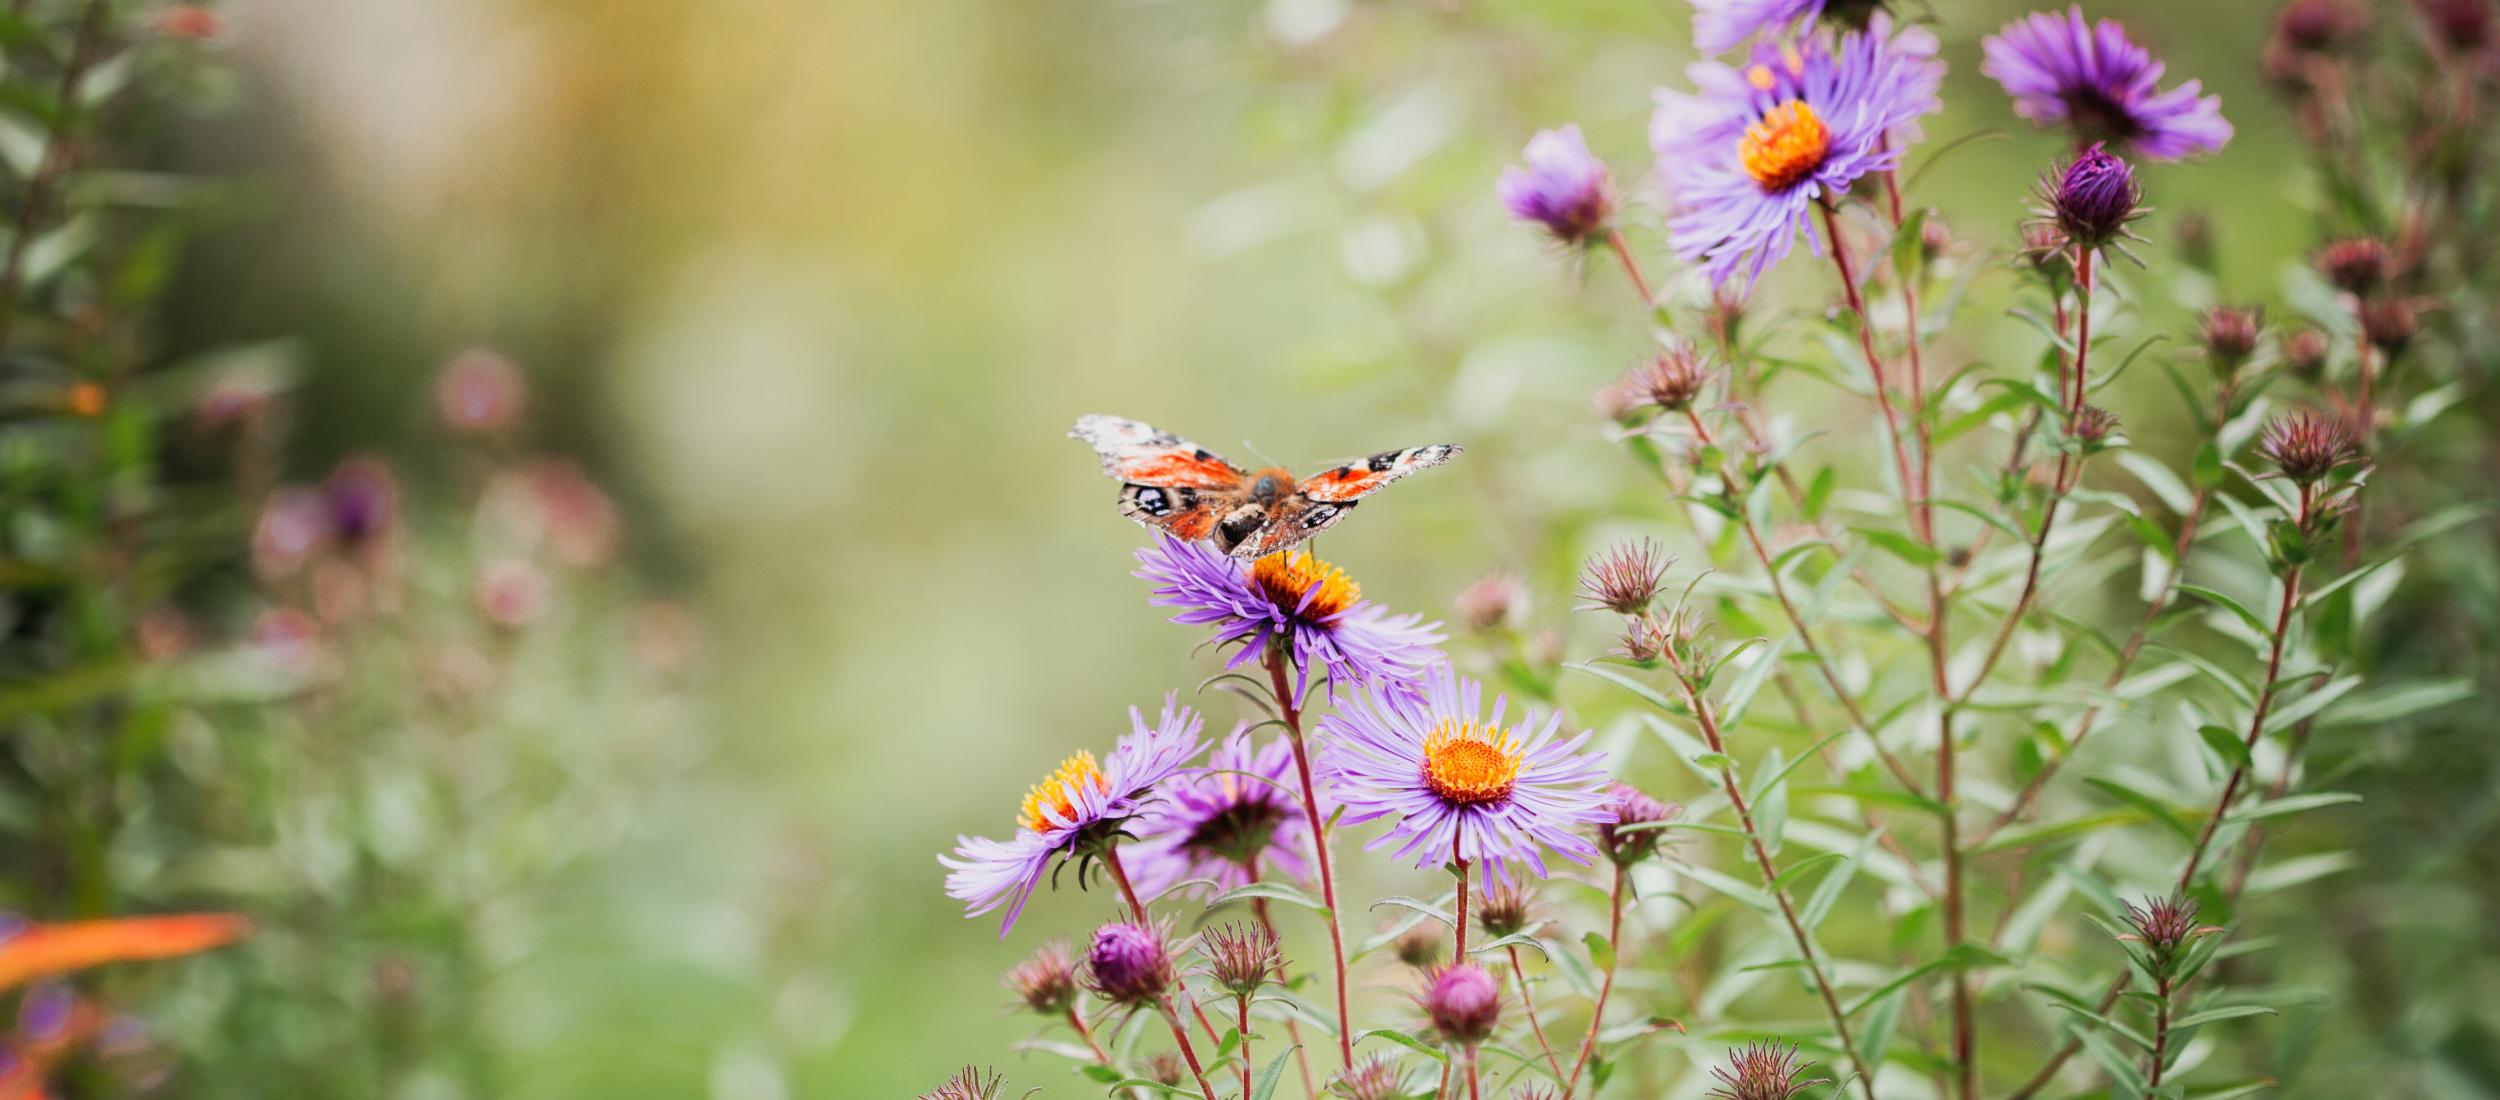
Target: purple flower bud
{"points": [[2092, 198], [1128, 964], [363, 499], [1564, 187], [2093, 425], [1631, 806], [2389, 324], [1464, 1003], [2230, 336], [2305, 353], [2355, 266]]}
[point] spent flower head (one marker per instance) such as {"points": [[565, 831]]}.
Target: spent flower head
{"points": [[1045, 981], [2230, 336], [2390, 323], [1626, 578], [1378, 1077], [2093, 80], [2308, 445], [2305, 353], [1563, 188], [1492, 601], [1128, 963], [1763, 1071], [1241, 957], [1421, 946], [969, 1083], [1464, 1003], [2356, 265], [1503, 909]]}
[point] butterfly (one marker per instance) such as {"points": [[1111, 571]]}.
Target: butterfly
{"points": [[1190, 492]]}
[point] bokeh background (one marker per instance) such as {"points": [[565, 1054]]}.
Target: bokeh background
{"points": [[816, 288]]}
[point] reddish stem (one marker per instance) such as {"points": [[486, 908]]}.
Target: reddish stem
{"points": [[1527, 1005], [1291, 715], [1614, 954], [1631, 267]]}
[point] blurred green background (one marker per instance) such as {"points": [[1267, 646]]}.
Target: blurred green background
{"points": [[819, 287]]}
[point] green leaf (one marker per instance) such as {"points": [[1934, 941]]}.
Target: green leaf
{"points": [[1900, 546], [1403, 1039], [2221, 600], [2151, 806], [1273, 891], [2217, 1015], [1601, 953], [1962, 956], [1646, 693], [2226, 743], [2295, 804], [1263, 1087], [1419, 905]]}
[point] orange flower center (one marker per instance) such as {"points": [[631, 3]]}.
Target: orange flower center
{"points": [[1786, 146], [1468, 765], [1290, 575], [1058, 793]]}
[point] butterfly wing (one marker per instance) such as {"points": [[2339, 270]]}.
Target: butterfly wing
{"points": [[1356, 480], [1166, 482], [1293, 519], [45, 949]]}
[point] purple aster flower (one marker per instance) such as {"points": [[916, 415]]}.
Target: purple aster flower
{"points": [[1291, 599], [1564, 187], [2091, 199], [1075, 811], [1127, 964], [1749, 152], [1464, 1003], [1722, 25], [1217, 822], [2062, 71], [1462, 785]]}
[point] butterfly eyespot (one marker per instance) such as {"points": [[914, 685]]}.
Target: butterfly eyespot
{"points": [[1151, 500], [1319, 516]]}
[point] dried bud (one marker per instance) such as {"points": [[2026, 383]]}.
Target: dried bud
{"points": [[1492, 601], [1502, 910], [2230, 336], [2305, 353], [2308, 445], [1934, 238], [1046, 981], [1464, 1003], [1630, 807], [1626, 578], [2464, 25], [1763, 1071], [1420, 946], [1374, 1078], [2356, 266], [1564, 187], [2044, 248], [2320, 26], [2389, 324], [2093, 425], [1166, 1068], [1128, 964], [1241, 957], [2092, 198], [1643, 639], [969, 1084]]}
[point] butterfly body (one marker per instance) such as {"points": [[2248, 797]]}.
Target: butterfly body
{"points": [[1189, 492]]}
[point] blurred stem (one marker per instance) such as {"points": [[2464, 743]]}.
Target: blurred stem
{"points": [[1189, 1053], [1527, 1005], [1919, 518], [1709, 725], [1473, 1090], [2161, 1034], [1631, 267], [1614, 956], [1290, 713], [35, 205], [1293, 1031]]}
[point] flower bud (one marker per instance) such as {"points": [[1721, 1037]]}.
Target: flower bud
{"points": [[2094, 425], [968, 1084], [2355, 266], [2308, 445], [2320, 26], [2463, 25], [2092, 198], [1166, 1068], [2230, 336], [1626, 578], [1564, 188], [1128, 964], [1373, 1078], [1630, 806], [2389, 324], [1241, 957], [2164, 926], [1419, 946], [1491, 601], [1046, 981], [1464, 1004], [2305, 354]]}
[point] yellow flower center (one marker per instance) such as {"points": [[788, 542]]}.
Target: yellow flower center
{"points": [[1058, 793], [1290, 575], [1468, 765], [1786, 146]]}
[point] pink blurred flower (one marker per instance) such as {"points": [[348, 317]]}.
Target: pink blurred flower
{"points": [[513, 593], [480, 391]]}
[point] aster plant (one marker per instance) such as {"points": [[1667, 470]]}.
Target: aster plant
{"points": [[1901, 747]]}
